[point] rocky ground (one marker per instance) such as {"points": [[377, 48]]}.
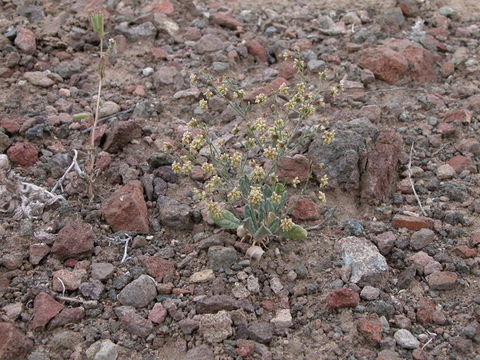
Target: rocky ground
{"points": [[140, 273]]}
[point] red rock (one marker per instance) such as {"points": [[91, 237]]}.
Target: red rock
{"points": [[385, 63], [459, 116], [193, 34], [121, 134], [409, 7], [268, 304], [342, 298], [14, 344], [425, 311], [133, 322], [126, 209], [447, 69], [291, 167], [38, 252], [70, 279], [45, 308], [163, 7], [465, 251], [370, 328], [157, 267], [412, 222], [25, 41], [419, 354], [460, 163], [303, 208], [476, 238], [76, 239], [257, 50], [286, 69], [442, 280], [158, 314], [67, 316], [446, 129], [226, 20], [23, 153], [103, 160], [381, 174], [245, 350], [11, 125], [372, 112], [303, 44]]}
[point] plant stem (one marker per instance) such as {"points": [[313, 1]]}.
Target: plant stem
{"points": [[95, 121]]}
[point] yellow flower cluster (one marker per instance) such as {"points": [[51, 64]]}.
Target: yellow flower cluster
{"points": [[322, 197], [208, 169], [323, 181], [214, 209], [328, 136], [258, 174], [260, 98], [286, 224], [275, 198], [270, 153], [214, 184], [234, 194], [256, 195]]}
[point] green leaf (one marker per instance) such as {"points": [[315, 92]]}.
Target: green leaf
{"points": [[98, 26], [279, 188], [275, 226], [262, 232], [296, 233], [227, 220], [267, 191], [244, 186], [81, 115], [248, 223]]}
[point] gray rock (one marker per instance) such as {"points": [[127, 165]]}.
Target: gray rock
{"points": [[5, 142], [422, 238], [367, 264], [447, 11], [139, 293], [109, 108], [174, 214], [385, 242], [369, 293], [352, 227], [102, 350], [381, 308], [221, 257], [39, 78], [138, 32], [405, 339], [202, 352], [316, 65], [165, 75], [209, 43], [260, 331], [101, 271], [215, 303], [92, 289], [164, 24], [188, 326], [454, 190], [215, 328], [66, 339]]}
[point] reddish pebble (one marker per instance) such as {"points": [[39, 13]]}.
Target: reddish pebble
{"points": [[342, 298], [465, 251], [412, 222], [23, 153]]}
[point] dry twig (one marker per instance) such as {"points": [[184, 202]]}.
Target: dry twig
{"points": [[411, 181]]}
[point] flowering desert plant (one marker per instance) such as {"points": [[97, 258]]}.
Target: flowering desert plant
{"points": [[243, 191]]}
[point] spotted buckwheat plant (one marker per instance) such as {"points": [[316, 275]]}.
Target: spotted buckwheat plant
{"points": [[244, 180]]}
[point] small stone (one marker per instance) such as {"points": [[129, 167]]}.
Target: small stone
{"points": [[165, 75], [447, 11], [291, 167], [370, 328], [303, 208], [76, 239], [101, 271], [460, 163], [121, 134], [257, 50], [158, 314], [202, 276], [13, 311], [442, 280], [92, 289], [133, 322], [425, 263], [221, 257], [422, 238], [282, 319], [369, 293], [316, 66], [109, 108], [202, 352], [445, 172], [39, 78], [260, 331], [65, 339], [366, 263], [226, 20], [23, 153], [45, 308], [386, 242], [102, 350], [37, 252], [164, 24], [67, 316], [25, 40], [139, 293], [465, 251], [215, 328], [126, 209], [143, 31], [14, 344], [209, 43], [405, 339], [412, 222], [158, 268], [276, 285], [66, 279], [215, 303], [188, 326], [342, 298]]}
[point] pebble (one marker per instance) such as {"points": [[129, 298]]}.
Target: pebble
{"points": [[405, 339], [139, 293], [202, 276], [369, 293], [282, 319], [102, 350]]}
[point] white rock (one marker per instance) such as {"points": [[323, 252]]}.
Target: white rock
{"points": [[102, 350], [283, 319], [405, 339], [202, 276], [109, 108], [445, 172]]}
